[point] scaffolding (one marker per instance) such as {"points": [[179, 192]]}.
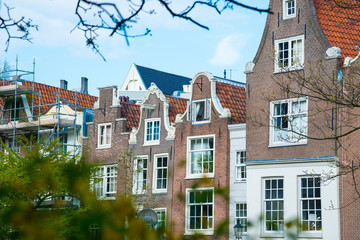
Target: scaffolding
{"points": [[24, 113]]}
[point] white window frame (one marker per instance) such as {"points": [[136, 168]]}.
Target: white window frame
{"points": [[240, 167], [136, 171], [243, 219], [290, 137], [286, 14], [159, 211], [105, 181], [151, 142], [100, 126], [191, 115], [301, 199], [155, 173], [190, 175], [210, 230], [271, 200], [292, 64]]}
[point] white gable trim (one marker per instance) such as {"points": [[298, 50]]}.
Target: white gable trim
{"points": [[133, 75]]}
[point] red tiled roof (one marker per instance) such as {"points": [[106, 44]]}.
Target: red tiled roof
{"points": [[131, 112], [176, 106], [341, 26], [47, 96], [232, 97]]}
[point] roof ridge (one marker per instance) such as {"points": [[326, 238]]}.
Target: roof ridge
{"points": [[62, 89]]}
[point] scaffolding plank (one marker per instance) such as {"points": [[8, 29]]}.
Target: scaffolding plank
{"points": [[33, 125], [10, 89]]}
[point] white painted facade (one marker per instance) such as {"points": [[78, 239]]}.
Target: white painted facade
{"points": [[290, 170], [237, 187]]}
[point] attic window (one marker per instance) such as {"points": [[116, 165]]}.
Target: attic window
{"points": [[199, 111], [289, 9]]}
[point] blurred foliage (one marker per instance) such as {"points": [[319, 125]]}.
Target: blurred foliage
{"points": [[41, 188]]}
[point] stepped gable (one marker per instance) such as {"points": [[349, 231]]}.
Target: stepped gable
{"points": [[341, 26], [166, 82], [176, 106], [232, 96], [131, 112]]}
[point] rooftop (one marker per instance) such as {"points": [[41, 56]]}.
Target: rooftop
{"points": [[166, 82], [341, 25]]}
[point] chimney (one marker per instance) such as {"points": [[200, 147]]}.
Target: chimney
{"points": [[84, 85], [63, 84]]}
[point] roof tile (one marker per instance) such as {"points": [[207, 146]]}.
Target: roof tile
{"points": [[232, 96], [340, 25]]}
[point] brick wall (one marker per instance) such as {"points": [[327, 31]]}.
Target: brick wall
{"points": [[217, 127]]}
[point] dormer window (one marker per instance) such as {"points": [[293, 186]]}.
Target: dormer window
{"points": [[289, 9], [199, 111]]}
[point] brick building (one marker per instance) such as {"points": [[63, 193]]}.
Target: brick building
{"points": [[202, 158], [304, 43]]}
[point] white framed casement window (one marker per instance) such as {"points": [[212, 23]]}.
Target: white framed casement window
{"points": [[140, 174], [199, 111], [310, 206], [273, 206], [162, 218], [160, 173], [288, 122], [241, 213], [105, 182], [152, 131], [289, 9], [289, 54], [240, 166], [200, 156], [199, 211], [104, 135]]}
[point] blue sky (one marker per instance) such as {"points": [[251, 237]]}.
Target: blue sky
{"points": [[175, 46]]}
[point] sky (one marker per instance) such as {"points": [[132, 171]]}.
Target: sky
{"points": [[175, 46]]}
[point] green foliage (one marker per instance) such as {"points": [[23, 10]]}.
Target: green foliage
{"points": [[38, 189]]}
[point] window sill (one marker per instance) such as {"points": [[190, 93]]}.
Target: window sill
{"points": [[240, 181], [152, 143], [159, 192], [106, 198], [287, 144], [289, 17], [287, 70], [198, 176], [104, 147], [200, 122], [203, 232], [310, 235]]}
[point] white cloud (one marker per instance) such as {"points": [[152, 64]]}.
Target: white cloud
{"points": [[228, 50]]}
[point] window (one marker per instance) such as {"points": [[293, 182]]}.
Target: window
{"points": [[200, 210], [240, 167], [105, 181], [160, 173], [289, 54], [199, 111], [152, 131], [274, 205], [241, 213], [288, 123], [310, 204], [140, 175], [161, 214], [289, 9], [104, 135], [200, 156]]}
